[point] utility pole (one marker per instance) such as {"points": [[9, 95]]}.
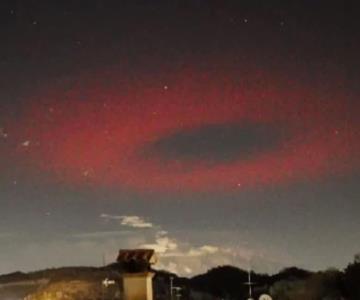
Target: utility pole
{"points": [[250, 284], [178, 292], [171, 287]]}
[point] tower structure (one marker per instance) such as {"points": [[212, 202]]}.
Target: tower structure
{"points": [[137, 275]]}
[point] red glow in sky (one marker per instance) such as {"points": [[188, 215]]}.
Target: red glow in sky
{"points": [[95, 131]]}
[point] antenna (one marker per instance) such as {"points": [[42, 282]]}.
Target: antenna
{"points": [[250, 284]]}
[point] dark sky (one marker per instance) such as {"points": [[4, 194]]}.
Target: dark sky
{"points": [[216, 132]]}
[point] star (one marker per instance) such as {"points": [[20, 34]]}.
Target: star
{"points": [[88, 172], [3, 134], [26, 143]]}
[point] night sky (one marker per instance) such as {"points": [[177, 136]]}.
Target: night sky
{"points": [[216, 132]]}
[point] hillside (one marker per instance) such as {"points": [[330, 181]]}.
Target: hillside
{"points": [[225, 282]]}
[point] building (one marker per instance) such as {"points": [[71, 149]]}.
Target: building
{"points": [[137, 275]]}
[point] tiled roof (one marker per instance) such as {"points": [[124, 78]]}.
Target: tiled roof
{"points": [[137, 255]]}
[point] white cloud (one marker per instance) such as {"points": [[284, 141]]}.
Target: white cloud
{"points": [[135, 221], [186, 253], [183, 256], [188, 270], [162, 232], [162, 245], [110, 217], [182, 252], [174, 253], [130, 221], [203, 250]]}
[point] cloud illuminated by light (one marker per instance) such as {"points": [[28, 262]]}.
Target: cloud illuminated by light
{"points": [[130, 221]]}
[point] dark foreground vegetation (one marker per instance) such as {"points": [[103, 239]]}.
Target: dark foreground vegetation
{"points": [[224, 282]]}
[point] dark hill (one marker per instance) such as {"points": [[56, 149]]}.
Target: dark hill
{"points": [[291, 274], [229, 282], [226, 282]]}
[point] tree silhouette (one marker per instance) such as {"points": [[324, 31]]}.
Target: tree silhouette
{"points": [[352, 279]]}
